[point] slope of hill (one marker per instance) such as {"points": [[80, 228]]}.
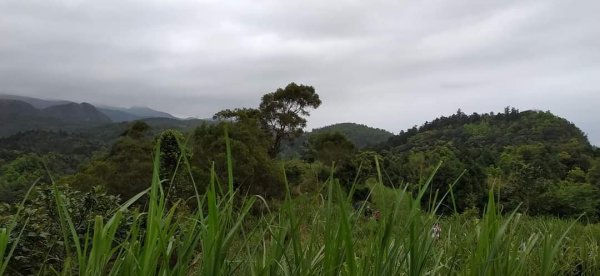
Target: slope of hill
{"points": [[108, 133], [146, 112], [37, 103], [17, 116], [361, 135], [43, 142], [77, 113], [118, 114], [496, 131], [15, 109], [533, 157], [165, 123]]}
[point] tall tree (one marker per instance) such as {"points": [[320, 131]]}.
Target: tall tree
{"points": [[281, 114], [254, 171], [284, 112]]}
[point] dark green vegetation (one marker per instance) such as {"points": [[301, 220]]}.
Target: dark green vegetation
{"points": [[532, 158], [280, 114], [360, 135], [174, 197]]}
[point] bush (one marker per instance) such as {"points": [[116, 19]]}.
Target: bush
{"points": [[42, 242]]}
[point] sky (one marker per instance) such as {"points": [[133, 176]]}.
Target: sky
{"points": [[386, 64]]}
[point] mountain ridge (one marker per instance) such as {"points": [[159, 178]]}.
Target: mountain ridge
{"points": [[121, 114], [73, 112], [17, 116], [116, 114], [36, 102]]}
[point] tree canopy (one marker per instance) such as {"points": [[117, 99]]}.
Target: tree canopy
{"points": [[281, 114], [531, 158]]}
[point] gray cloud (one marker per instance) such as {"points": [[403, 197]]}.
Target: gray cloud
{"points": [[389, 64]]}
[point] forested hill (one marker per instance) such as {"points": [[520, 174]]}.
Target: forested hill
{"points": [[361, 135], [533, 157], [495, 130]]}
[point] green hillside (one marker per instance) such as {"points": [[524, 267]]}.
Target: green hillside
{"points": [[361, 135], [533, 158]]}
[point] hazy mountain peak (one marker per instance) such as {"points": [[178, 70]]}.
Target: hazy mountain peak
{"points": [[73, 112], [36, 102]]}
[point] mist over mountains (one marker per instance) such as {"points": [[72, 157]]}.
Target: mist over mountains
{"points": [[18, 113]]}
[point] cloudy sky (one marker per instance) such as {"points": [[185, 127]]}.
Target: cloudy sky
{"points": [[388, 64]]}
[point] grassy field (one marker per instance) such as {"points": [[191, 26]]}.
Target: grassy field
{"points": [[315, 234]]}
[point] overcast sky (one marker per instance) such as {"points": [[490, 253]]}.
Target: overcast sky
{"points": [[387, 64]]}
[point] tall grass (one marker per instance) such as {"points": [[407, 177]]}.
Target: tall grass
{"points": [[7, 250], [319, 234]]}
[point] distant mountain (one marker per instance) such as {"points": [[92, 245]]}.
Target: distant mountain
{"points": [[164, 123], [146, 112], [77, 113], [115, 114], [118, 114], [15, 109], [361, 135], [35, 102], [17, 116]]}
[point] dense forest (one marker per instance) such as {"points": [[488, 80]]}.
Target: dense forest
{"points": [[361, 136], [531, 161], [532, 158]]}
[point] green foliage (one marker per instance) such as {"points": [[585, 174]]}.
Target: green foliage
{"points": [[173, 169], [27, 156], [239, 114], [361, 135], [255, 172], [570, 199], [305, 178], [17, 176], [42, 237], [44, 142], [525, 155], [137, 130], [221, 238], [281, 114], [593, 174], [329, 147], [125, 170], [170, 152], [313, 218]]}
